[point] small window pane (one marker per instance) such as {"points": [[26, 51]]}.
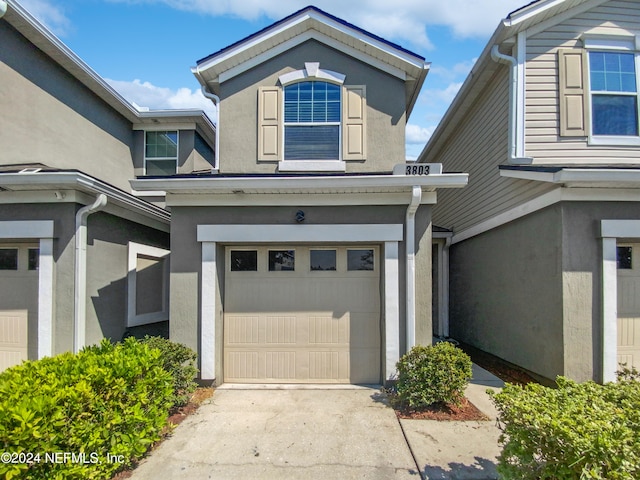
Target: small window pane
{"points": [[615, 115], [322, 260], [359, 260], [161, 167], [244, 261], [624, 258], [9, 259], [281, 260], [34, 258], [161, 144]]}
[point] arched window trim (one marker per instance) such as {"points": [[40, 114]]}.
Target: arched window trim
{"points": [[312, 71]]}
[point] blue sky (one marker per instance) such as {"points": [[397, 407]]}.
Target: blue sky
{"points": [[145, 48]]}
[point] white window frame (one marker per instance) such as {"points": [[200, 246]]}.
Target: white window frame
{"points": [[177, 132], [136, 249], [612, 44]]}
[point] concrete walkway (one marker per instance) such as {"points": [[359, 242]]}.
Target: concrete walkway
{"points": [[323, 433]]}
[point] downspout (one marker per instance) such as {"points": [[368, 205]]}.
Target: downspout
{"points": [[80, 290], [416, 196], [445, 287], [515, 155], [216, 101], [3, 8]]}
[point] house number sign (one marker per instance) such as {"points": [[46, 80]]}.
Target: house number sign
{"points": [[417, 169]]}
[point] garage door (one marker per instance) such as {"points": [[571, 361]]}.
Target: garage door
{"points": [[300, 314], [629, 304], [18, 301]]}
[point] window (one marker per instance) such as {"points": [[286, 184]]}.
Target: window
{"points": [[624, 258], [614, 93], [161, 153], [322, 260], [33, 259], [8, 259], [359, 260], [244, 260], [282, 260], [312, 121]]}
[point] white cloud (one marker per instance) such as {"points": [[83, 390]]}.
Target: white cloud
{"points": [[147, 95], [459, 70], [416, 134], [442, 96], [50, 14], [407, 20]]}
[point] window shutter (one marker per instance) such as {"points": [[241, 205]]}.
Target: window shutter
{"points": [[573, 95], [354, 125], [269, 123]]}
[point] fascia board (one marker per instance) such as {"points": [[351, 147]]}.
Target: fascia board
{"points": [[529, 175], [578, 176], [448, 180], [82, 182]]}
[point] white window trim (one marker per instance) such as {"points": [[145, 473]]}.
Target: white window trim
{"points": [[604, 43], [211, 235], [133, 319], [43, 231], [611, 231], [176, 158]]}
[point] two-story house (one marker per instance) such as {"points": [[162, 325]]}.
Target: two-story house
{"points": [[304, 258], [81, 256], [545, 253]]}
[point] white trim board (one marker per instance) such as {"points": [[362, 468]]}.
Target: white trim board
{"points": [[133, 319], [210, 235]]}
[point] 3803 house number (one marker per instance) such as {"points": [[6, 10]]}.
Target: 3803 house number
{"points": [[417, 170]]}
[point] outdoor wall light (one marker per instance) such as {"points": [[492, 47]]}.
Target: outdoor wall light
{"points": [[299, 216]]}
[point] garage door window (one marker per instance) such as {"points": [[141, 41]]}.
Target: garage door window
{"points": [[9, 259], [282, 260], [322, 260], [244, 260], [359, 260], [34, 255], [624, 258]]}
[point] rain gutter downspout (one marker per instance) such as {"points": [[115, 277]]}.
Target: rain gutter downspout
{"points": [[3, 8], [516, 156], [80, 289], [416, 197], [445, 287]]}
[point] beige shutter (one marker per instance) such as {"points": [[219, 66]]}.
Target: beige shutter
{"points": [[354, 125], [573, 95], [269, 123]]}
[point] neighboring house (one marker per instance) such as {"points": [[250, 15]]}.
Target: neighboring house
{"points": [[545, 253], [81, 257], [303, 258]]}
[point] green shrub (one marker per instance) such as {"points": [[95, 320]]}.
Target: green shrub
{"points": [[108, 402], [433, 374], [180, 362], [581, 431]]}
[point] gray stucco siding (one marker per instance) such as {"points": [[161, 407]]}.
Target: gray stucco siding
{"points": [[186, 261], [239, 109], [51, 118]]}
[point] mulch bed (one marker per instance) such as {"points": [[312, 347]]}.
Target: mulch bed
{"points": [[502, 369], [464, 412]]}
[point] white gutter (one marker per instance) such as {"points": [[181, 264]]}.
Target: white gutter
{"points": [[444, 288], [216, 100], [80, 290], [3, 8], [416, 196]]}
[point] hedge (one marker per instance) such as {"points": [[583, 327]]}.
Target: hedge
{"points": [[577, 430], [105, 406]]}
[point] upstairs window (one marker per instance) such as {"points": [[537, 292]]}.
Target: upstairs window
{"points": [[161, 153], [614, 93], [312, 121]]}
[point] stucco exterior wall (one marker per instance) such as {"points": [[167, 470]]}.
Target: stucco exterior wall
{"points": [[506, 292], [186, 261], [107, 266], [386, 120], [49, 117]]}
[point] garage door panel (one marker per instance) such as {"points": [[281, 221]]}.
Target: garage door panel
{"points": [[329, 330], [13, 337], [329, 365], [362, 360]]}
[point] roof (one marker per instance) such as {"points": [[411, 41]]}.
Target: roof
{"points": [[34, 31], [313, 23], [527, 18]]}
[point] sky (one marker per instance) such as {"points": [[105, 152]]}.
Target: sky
{"points": [[145, 48]]}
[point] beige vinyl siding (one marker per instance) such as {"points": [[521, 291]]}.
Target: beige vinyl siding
{"points": [[478, 147], [543, 142]]}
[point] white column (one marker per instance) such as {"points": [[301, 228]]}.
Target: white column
{"points": [[392, 309], [609, 310], [208, 312]]}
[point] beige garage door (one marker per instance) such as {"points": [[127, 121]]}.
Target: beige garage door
{"points": [[629, 304], [298, 314], [18, 301]]}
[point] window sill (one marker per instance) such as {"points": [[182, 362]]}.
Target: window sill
{"points": [[312, 166], [622, 141]]}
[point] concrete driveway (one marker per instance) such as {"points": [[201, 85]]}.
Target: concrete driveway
{"points": [[327, 433]]}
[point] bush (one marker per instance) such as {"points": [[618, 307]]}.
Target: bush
{"points": [[433, 374], [180, 362], [106, 402], [583, 431]]}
